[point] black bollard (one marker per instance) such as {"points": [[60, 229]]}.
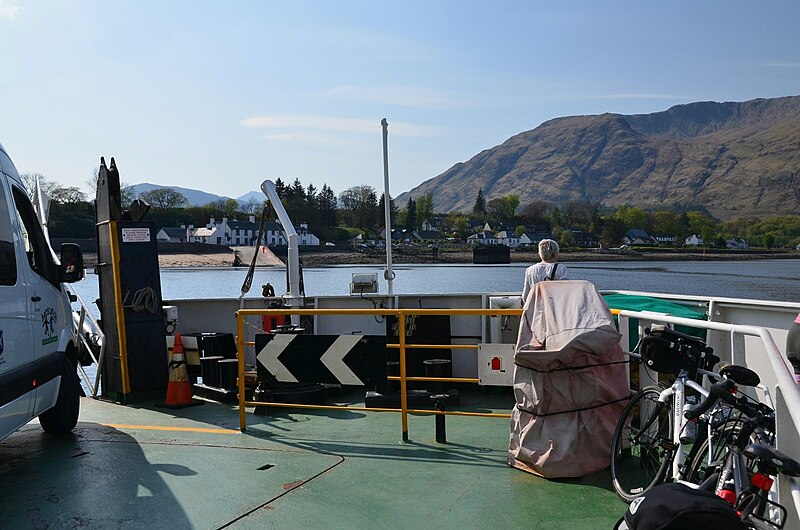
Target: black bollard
{"points": [[441, 433], [437, 368]]}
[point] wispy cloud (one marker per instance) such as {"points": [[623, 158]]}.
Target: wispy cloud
{"points": [[405, 96], [310, 125], [306, 121], [320, 139], [9, 9]]}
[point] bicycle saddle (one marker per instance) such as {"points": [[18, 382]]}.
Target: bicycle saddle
{"points": [[774, 460], [740, 375]]}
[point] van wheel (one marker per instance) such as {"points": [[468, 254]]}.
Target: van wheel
{"points": [[63, 417]]}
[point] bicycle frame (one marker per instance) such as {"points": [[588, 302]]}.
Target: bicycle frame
{"points": [[678, 394]]}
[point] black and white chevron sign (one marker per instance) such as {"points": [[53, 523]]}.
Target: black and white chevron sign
{"points": [[336, 359]]}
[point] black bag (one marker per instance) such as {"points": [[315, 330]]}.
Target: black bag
{"points": [[667, 351], [677, 507]]}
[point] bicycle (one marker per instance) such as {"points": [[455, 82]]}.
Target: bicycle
{"points": [[652, 441], [737, 470]]}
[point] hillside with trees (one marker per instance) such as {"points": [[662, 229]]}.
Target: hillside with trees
{"points": [[731, 159]]}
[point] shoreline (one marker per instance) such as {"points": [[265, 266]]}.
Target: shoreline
{"points": [[317, 259]]}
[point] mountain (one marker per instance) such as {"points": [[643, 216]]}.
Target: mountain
{"points": [[735, 158], [193, 197], [196, 197], [252, 195]]}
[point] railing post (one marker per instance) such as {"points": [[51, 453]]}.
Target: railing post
{"points": [[240, 380], [401, 335]]}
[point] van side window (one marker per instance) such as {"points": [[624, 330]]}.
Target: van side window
{"points": [[8, 260], [37, 249]]}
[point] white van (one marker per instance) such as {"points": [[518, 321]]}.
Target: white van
{"points": [[38, 345]]}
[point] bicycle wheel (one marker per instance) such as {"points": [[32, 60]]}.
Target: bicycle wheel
{"points": [[709, 454], [713, 456], [640, 450]]}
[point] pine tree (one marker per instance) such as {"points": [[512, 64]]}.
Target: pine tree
{"points": [[411, 214], [392, 211], [326, 204], [479, 210], [312, 215]]}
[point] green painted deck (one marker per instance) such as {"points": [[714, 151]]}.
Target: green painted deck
{"points": [[144, 467]]}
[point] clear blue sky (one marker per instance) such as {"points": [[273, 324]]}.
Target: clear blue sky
{"points": [[218, 96]]}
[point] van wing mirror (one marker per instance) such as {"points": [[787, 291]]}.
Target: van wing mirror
{"points": [[71, 268]]}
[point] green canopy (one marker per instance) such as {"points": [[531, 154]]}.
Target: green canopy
{"points": [[634, 302]]}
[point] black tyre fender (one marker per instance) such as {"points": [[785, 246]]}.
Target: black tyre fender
{"points": [[63, 417]]}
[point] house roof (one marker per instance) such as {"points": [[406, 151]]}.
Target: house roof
{"points": [[242, 225], [172, 231], [202, 232], [636, 232], [429, 234]]}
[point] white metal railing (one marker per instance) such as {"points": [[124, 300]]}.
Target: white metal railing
{"points": [[90, 337], [776, 378]]}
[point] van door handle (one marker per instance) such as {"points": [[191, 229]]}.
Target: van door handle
{"points": [[36, 298]]}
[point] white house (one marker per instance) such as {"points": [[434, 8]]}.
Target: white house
{"points": [[274, 235], [172, 235], [484, 237], [245, 233], [242, 233], [666, 240], [694, 240], [508, 238], [211, 236]]}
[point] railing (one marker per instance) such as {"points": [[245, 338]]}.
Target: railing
{"points": [[402, 345], [778, 388], [83, 320]]}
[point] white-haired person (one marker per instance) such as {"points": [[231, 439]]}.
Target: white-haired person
{"points": [[547, 269]]}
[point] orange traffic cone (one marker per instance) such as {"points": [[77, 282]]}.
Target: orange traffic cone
{"points": [[179, 392]]}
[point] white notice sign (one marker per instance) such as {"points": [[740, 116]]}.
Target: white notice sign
{"points": [[135, 235]]}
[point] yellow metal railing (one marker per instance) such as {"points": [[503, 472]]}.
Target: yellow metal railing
{"points": [[401, 315]]}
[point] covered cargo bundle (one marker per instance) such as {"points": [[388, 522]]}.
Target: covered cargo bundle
{"points": [[570, 382]]}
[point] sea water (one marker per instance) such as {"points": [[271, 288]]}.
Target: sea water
{"points": [[777, 280], [765, 279]]}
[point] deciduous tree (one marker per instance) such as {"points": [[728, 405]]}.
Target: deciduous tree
{"points": [[424, 209], [163, 198]]}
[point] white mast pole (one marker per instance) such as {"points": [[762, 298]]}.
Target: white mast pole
{"points": [[388, 274], [293, 297]]}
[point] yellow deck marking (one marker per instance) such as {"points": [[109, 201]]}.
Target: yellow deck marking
{"points": [[166, 428]]}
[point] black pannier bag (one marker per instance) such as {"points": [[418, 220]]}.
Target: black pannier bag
{"points": [[674, 506], [666, 351]]}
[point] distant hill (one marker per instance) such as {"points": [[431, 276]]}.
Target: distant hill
{"points": [[195, 197], [736, 159], [252, 195]]}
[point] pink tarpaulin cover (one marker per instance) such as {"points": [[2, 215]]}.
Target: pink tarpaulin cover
{"points": [[570, 382]]}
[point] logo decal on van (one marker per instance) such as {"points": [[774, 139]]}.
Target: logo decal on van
{"points": [[49, 321]]}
